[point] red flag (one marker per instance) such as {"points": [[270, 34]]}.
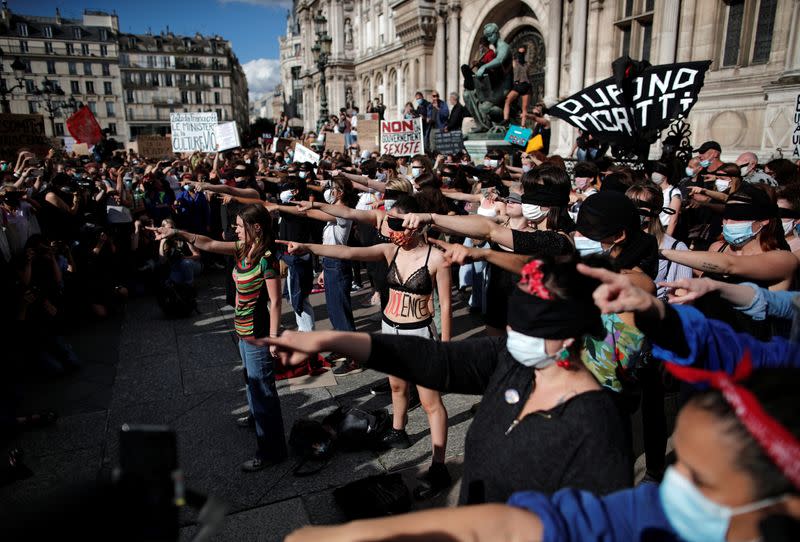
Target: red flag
{"points": [[83, 127]]}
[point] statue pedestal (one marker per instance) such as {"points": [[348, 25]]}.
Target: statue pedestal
{"points": [[477, 145]]}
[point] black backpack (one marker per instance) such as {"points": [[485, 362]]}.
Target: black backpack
{"points": [[312, 442], [177, 300], [358, 429]]}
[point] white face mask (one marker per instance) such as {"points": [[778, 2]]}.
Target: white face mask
{"points": [[788, 226], [330, 197], [689, 172], [416, 172], [490, 163], [302, 174], [532, 212], [526, 168], [527, 350], [745, 169], [721, 185], [286, 196], [587, 247], [657, 178]]}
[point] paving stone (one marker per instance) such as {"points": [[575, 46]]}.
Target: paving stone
{"points": [[67, 434], [273, 522], [149, 378], [208, 349]]}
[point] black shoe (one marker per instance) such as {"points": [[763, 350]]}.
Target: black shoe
{"points": [[256, 464], [348, 367], [334, 357], [381, 389], [246, 421], [433, 482], [413, 399], [396, 438]]}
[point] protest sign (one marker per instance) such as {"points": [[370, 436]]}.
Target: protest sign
{"points": [[18, 132], [304, 154], [83, 127], [193, 132], [644, 105], [366, 116], [154, 146], [81, 149], [517, 135], [227, 135], [402, 137], [449, 142], [280, 144], [334, 142], [796, 133], [369, 135]]}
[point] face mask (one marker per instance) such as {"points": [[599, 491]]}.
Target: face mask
{"points": [[402, 239], [247, 161], [705, 163], [388, 204], [587, 247], [380, 177], [657, 178], [689, 172], [526, 169], [490, 163], [529, 351], [447, 181], [739, 233], [302, 174], [746, 170], [187, 187], [694, 517], [286, 196], [788, 226], [581, 183], [416, 172], [419, 102], [330, 197], [532, 212], [721, 185]]}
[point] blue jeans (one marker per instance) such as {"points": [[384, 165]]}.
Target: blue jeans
{"points": [[474, 274], [338, 281], [265, 406]]}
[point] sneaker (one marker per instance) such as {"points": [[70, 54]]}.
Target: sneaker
{"points": [[381, 389], [333, 358], [413, 399], [246, 421], [433, 482], [256, 464], [396, 438], [348, 367], [317, 289], [355, 287]]}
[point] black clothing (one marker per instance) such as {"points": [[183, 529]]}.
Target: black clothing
{"points": [[536, 243], [456, 118], [580, 443], [419, 282]]}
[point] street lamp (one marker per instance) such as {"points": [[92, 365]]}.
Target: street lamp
{"points": [[18, 68], [322, 50], [51, 95]]}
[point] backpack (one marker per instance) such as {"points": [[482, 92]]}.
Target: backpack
{"points": [[311, 441], [358, 429], [375, 496], [177, 300]]}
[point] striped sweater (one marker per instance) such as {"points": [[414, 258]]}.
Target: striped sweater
{"points": [[251, 315]]}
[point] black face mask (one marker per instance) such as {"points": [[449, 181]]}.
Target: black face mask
{"points": [[394, 223]]}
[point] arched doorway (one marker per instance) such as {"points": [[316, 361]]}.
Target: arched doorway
{"points": [[391, 91], [532, 40]]}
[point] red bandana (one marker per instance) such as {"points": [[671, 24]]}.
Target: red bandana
{"points": [[779, 444], [531, 280]]}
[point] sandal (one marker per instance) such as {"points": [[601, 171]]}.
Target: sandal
{"points": [[39, 419]]}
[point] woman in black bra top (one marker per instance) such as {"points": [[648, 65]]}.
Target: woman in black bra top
{"points": [[413, 271]]}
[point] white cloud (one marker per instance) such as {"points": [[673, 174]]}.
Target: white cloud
{"points": [[262, 76], [266, 3]]}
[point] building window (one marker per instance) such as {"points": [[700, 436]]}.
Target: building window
{"points": [[59, 129], [167, 79], [73, 68], [104, 50], [154, 79], [130, 113], [30, 86], [635, 27], [23, 46], [92, 107], [766, 20], [76, 33], [89, 87], [733, 33], [216, 98], [70, 48], [129, 96], [198, 97], [107, 88], [198, 79], [181, 79], [220, 114], [51, 67], [110, 109], [85, 49], [132, 41], [87, 68], [151, 62], [75, 87], [48, 31], [184, 97], [103, 34], [112, 128], [32, 109], [106, 69], [217, 81], [27, 64], [22, 29], [48, 47], [142, 78]]}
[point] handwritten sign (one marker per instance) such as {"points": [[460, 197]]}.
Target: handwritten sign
{"points": [[154, 146], [193, 132], [796, 133], [227, 135], [449, 142], [334, 142], [369, 134], [517, 135], [402, 137], [304, 154], [18, 132]]}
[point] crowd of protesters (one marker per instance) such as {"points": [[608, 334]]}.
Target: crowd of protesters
{"points": [[596, 279]]}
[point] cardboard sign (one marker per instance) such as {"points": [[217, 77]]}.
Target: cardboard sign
{"points": [[402, 137], [18, 132], [81, 149], [83, 127], [369, 134], [334, 142], [366, 116], [154, 146], [193, 132], [796, 133], [304, 154], [517, 135], [449, 142], [227, 134]]}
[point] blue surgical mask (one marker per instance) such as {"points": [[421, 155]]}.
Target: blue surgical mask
{"points": [[739, 233], [388, 204], [689, 172], [705, 163], [416, 172], [380, 177], [527, 350], [693, 516], [187, 187], [286, 196], [587, 247], [302, 174], [526, 168]]}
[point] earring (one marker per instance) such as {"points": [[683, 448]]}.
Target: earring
{"points": [[562, 357]]}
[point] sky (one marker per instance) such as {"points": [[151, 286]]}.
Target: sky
{"points": [[252, 26]]}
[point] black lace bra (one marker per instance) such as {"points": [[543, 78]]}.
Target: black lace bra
{"points": [[419, 282]]}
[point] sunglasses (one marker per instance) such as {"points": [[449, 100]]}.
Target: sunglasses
{"points": [[394, 223]]}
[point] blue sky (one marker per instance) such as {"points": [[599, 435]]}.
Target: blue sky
{"points": [[252, 26]]}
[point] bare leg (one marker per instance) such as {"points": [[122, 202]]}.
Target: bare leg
{"points": [[525, 99], [399, 402], [437, 420], [512, 95]]}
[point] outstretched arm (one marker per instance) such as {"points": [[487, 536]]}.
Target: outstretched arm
{"points": [[199, 241], [475, 226], [378, 186], [775, 265], [342, 211], [374, 253], [460, 255], [229, 190]]}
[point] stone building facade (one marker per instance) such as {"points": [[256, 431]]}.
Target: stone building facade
{"points": [[392, 48]]}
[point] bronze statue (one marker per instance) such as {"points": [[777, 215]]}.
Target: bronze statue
{"points": [[485, 90]]}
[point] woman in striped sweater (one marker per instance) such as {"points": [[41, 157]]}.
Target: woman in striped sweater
{"points": [[257, 314]]}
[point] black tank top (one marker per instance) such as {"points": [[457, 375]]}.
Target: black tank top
{"points": [[419, 282]]}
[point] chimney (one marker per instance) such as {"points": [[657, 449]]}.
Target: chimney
{"points": [[58, 16]]}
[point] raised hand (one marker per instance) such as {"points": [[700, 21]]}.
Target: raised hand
{"points": [[293, 348], [162, 232], [688, 290], [414, 221], [295, 249], [617, 293]]}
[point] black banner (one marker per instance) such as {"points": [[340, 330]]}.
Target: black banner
{"points": [[449, 142], [653, 98]]}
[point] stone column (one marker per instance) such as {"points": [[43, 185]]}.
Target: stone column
{"points": [[553, 61], [440, 50], [578, 59], [401, 95], [387, 39], [454, 66], [593, 31], [668, 34], [686, 34], [792, 64], [336, 26]]}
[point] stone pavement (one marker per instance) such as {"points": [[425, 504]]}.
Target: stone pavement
{"points": [[143, 368]]}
